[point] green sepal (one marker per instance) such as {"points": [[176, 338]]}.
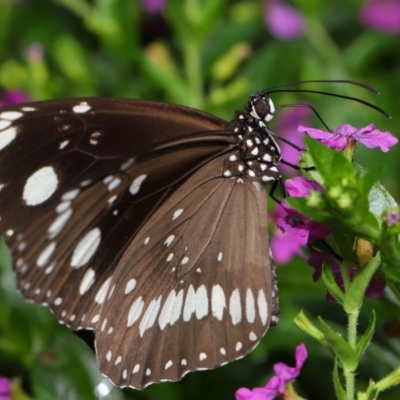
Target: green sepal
{"points": [[340, 348], [356, 291], [365, 339], [305, 325], [339, 390], [330, 283]]}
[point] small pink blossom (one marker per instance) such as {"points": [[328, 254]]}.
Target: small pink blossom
{"points": [[276, 385], [154, 6], [5, 388], [295, 230], [286, 126], [382, 15], [348, 135], [13, 97], [284, 21]]}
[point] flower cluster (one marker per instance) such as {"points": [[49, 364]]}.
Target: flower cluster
{"points": [[277, 385]]}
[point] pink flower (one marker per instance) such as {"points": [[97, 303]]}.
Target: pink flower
{"points": [[382, 15], [349, 135], [283, 21], [276, 385], [286, 126], [295, 230], [153, 6], [13, 97], [5, 388]]}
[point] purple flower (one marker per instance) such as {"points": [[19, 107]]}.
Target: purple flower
{"points": [[317, 259], [283, 21], [347, 135], [276, 385], [286, 126], [153, 6], [13, 97], [391, 217], [5, 388], [382, 15], [295, 230]]}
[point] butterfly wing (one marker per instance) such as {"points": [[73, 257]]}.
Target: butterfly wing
{"points": [[194, 287]]}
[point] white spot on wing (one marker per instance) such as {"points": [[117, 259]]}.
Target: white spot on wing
{"points": [[235, 308], [7, 136], [86, 247], [114, 184], [108, 355], [125, 165], [262, 307], [168, 364], [177, 213], [218, 302], [130, 286], [250, 306], [190, 304], [45, 255], [135, 311], [81, 108], [201, 302], [101, 294], [40, 186], [70, 195], [4, 124], [183, 362], [135, 185], [87, 281], [136, 369], [169, 240], [171, 310], [238, 346], [150, 315], [58, 224], [252, 336], [202, 356], [220, 255], [11, 115]]}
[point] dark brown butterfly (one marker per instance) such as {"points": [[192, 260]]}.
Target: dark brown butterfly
{"points": [[145, 222]]}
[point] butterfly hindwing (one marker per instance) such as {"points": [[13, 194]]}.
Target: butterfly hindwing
{"points": [[189, 295]]}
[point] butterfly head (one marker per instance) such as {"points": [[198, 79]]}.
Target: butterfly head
{"points": [[261, 107]]}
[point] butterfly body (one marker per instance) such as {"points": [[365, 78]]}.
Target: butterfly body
{"points": [[145, 222]]}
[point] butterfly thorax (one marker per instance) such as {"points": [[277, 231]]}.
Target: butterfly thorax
{"points": [[257, 153]]}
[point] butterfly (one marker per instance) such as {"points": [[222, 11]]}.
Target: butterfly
{"points": [[145, 222]]}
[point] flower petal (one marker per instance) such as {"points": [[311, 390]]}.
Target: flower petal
{"points": [[372, 138]]}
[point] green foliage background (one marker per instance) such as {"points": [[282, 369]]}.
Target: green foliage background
{"points": [[210, 55]]}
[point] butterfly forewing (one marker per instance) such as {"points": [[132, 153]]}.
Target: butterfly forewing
{"points": [[189, 295], [81, 237]]}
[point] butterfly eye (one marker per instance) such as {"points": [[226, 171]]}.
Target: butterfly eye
{"points": [[262, 107]]}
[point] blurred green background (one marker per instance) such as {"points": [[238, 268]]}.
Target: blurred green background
{"points": [[207, 54]]}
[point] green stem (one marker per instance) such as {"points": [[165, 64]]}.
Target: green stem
{"points": [[352, 340], [326, 47]]}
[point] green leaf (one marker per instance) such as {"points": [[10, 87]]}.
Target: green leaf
{"points": [[366, 338], [330, 283], [356, 290], [339, 390], [340, 348]]}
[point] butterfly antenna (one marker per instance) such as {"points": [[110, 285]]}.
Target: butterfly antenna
{"points": [[308, 106], [341, 96], [363, 85]]}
